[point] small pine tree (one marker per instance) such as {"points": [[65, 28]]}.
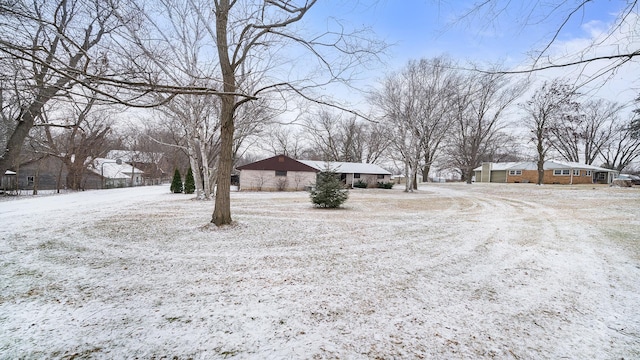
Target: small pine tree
{"points": [[189, 183], [176, 183], [329, 191]]}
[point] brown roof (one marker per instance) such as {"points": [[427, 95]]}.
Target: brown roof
{"points": [[278, 162]]}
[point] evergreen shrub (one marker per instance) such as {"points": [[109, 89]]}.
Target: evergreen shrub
{"points": [[329, 191], [360, 184], [189, 183], [176, 183], [383, 185]]}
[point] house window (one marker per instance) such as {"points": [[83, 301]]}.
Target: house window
{"points": [[281, 173], [380, 177], [576, 172], [30, 180], [601, 175], [356, 176], [587, 173], [515, 172], [560, 172]]}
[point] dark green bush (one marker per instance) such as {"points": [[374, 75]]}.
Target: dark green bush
{"points": [[360, 184], [189, 183], [383, 185], [176, 183]]}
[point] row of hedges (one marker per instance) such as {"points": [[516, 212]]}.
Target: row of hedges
{"points": [[363, 185]]}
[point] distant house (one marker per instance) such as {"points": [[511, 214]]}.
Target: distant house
{"points": [[50, 173], [114, 173], [44, 173], [401, 179], [153, 164], [555, 172], [284, 173]]}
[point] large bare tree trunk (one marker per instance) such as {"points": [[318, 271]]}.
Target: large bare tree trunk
{"points": [[540, 172], [14, 145], [222, 207], [425, 172], [25, 123]]}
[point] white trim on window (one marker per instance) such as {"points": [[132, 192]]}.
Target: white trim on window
{"points": [[561, 172], [515, 172], [576, 172], [587, 173]]}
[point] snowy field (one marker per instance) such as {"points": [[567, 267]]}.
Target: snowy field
{"points": [[453, 271]]}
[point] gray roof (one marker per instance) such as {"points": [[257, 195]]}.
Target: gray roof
{"points": [[111, 170], [135, 156], [346, 167]]}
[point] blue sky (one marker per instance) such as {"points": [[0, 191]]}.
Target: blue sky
{"points": [[427, 28]]}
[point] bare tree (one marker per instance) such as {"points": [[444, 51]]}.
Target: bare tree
{"points": [[54, 48], [286, 140], [197, 117], [139, 149], [81, 136], [635, 121], [549, 104], [479, 111], [340, 137], [186, 40], [415, 106], [376, 142], [43, 44], [580, 136], [397, 102], [623, 148], [245, 33]]}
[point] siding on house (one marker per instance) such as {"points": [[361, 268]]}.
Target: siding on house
{"points": [[531, 176], [50, 173], [499, 176], [485, 173], [371, 179], [266, 180], [351, 173], [556, 172]]}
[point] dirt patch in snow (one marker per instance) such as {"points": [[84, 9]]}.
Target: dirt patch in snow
{"points": [[451, 271]]}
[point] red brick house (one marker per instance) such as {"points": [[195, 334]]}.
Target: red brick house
{"points": [[555, 172]]}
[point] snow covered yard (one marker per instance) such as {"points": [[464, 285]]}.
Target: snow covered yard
{"points": [[452, 271]]}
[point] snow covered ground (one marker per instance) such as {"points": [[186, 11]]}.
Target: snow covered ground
{"points": [[451, 271]]}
